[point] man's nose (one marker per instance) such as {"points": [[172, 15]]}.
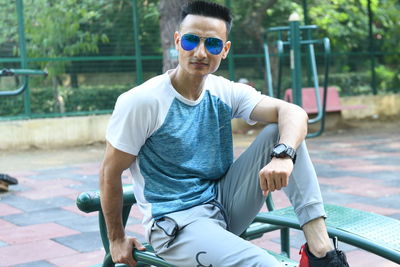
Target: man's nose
{"points": [[200, 50]]}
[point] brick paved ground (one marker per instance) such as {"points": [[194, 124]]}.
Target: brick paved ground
{"points": [[41, 226]]}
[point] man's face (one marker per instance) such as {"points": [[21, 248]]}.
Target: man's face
{"points": [[199, 61]]}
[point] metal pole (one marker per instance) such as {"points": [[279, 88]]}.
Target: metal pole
{"points": [[138, 52], [295, 58], [23, 54], [231, 61], [371, 49], [285, 241], [309, 60], [305, 11], [308, 36], [270, 89]]}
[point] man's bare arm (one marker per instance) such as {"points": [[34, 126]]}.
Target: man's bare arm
{"points": [[292, 123], [291, 119], [114, 163]]}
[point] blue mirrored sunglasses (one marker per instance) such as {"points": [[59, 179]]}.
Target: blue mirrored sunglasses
{"points": [[191, 41]]}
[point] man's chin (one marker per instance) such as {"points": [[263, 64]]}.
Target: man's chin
{"points": [[199, 71]]}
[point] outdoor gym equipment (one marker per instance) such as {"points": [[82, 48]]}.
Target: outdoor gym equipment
{"points": [[19, 72], [296, 37], [6, 180], [23, 57]]}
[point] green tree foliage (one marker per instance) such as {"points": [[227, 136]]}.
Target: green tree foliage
{"points": [[387, 27], [76, 27], [345, 22], [105, 27], [8, 23], [56, 29]]}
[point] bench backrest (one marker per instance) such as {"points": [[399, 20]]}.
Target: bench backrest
{"points": [[309, 100]]}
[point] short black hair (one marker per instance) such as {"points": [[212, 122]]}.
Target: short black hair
{"points": [[208, 9]]}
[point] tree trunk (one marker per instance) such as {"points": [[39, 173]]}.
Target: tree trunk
{"points": [[59, 104], [170, 12]]}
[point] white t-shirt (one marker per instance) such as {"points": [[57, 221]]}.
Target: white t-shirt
{"points": [[183, 147]]}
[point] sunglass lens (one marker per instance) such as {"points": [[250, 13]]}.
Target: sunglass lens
{"points": [[214, 45], [189, 41]]}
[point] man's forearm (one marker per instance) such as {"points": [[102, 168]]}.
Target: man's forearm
{"points": [[111, 203], [292, 119], [293, 123]]}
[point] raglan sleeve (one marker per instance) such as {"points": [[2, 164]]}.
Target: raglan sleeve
{"points": [[130, 123], [244, 99]]}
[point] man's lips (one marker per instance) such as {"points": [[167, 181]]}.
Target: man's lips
{"points": [[198, 63]]}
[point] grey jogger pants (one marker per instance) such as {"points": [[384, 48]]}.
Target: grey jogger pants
{"points": [[207, 235]]}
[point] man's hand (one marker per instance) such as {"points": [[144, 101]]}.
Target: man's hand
{"points": [[275, 174], [121, 250]]}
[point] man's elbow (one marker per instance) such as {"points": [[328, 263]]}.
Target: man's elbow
{"points": [[299, 112], [304, 115], [301, 117]]}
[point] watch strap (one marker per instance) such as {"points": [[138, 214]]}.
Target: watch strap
{"points": [[288, 152]]}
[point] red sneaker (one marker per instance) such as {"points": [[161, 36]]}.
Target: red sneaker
{"points": [[304, 262], [334, 258]]}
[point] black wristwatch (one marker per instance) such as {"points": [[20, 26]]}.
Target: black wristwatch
{"points": [[284, 151]]}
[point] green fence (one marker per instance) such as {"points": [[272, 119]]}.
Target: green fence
{"points": [[109, 47]]}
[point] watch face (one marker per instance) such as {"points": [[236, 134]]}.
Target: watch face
{"points": [[279, 149]]}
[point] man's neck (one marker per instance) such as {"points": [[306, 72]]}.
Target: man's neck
{"points": [[187, 85]]}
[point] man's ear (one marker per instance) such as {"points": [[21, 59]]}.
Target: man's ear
{"points": [[225, 50], [177, 38]]}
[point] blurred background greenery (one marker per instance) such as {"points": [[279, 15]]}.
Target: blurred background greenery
{"points": [[94, 51]]}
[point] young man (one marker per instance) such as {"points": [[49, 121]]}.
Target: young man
{"points": [[174, 134]]}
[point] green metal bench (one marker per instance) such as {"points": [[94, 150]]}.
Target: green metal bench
{"points": [[90, 202], [369, 231]]}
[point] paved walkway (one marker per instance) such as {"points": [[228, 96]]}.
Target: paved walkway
{"points": [[41, 226]]}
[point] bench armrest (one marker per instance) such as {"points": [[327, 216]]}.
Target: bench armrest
{"points": [[90, 201]]}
